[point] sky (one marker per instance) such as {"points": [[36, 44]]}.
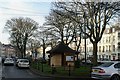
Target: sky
{"points": [[34, 9]]}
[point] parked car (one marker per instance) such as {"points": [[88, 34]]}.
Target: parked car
{"points": [[88, 62], [107, 71], [17, 61], [23, 63], [9, 61], [3, 58]]}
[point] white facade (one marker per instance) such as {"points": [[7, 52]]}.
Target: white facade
{"points": [[0, 48], [108, 47]]}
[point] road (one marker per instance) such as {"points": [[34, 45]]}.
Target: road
{"points": [[14, 73], [0, 71]]}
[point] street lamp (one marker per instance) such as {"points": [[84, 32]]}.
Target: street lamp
{"points": [[84, 16]]}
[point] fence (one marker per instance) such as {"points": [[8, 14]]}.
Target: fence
{"points": [[62, 71]]}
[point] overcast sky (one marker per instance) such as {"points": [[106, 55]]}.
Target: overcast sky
{"points": [[35, 9]]}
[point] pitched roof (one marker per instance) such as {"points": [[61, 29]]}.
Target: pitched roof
{"points": [[61, 48]]}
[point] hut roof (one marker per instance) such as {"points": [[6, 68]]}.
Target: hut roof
{"points": [[61, 48]]}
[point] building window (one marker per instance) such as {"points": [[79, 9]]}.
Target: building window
{"points": [[118, 45], [109, 57], [109, 39], [99, 48], [103, 49], [109, 48], [106, 48], [103, 57], [113, 38], [106, 40], [99, 57], [106, 56], [114, 48], [119, 56], [119, 34]]}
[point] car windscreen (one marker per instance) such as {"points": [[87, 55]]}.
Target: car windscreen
{"points": [[24, 61], [106, 64], [9, 59]]}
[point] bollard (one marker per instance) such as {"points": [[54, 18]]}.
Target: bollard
{"points": [[35, 65], [53, 69], [69, 69], [42, 67], [38, 65], [90, 69]]}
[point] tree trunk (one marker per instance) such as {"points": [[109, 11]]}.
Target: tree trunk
{"points": [[95, 53], [25, 42], [62, 40], [21, 55], [43, 49]]}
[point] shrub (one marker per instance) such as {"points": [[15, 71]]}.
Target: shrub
{"points": [[77, 64]]}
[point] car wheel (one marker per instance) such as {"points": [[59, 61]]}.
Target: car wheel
{"points": [[115, 77]]}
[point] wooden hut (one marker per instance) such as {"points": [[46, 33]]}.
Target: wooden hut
{"points": [[62, 55]]}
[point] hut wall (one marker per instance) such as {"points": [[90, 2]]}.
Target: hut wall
{"points": [[56, 60], [70, 63], [71, 59]]}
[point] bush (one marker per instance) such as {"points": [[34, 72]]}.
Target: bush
{"points": [[77, 64], [43, 61]]}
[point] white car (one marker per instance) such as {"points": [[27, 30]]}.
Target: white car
{"points": [[9, 61], [17, 62], [88, 61], [23, 63], [108, 71]]}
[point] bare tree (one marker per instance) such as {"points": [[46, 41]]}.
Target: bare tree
{"points": [[96, 15], [61, 27], [20, 30], [43, 38]]}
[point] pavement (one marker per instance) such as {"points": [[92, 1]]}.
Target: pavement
{"points": [[54, 76]]}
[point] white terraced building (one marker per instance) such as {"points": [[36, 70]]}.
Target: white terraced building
{"points": [[108, 47], [0, 48]]}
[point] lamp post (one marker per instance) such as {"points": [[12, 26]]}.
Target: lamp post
{"points": [[84, 16], [75, 46]]}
